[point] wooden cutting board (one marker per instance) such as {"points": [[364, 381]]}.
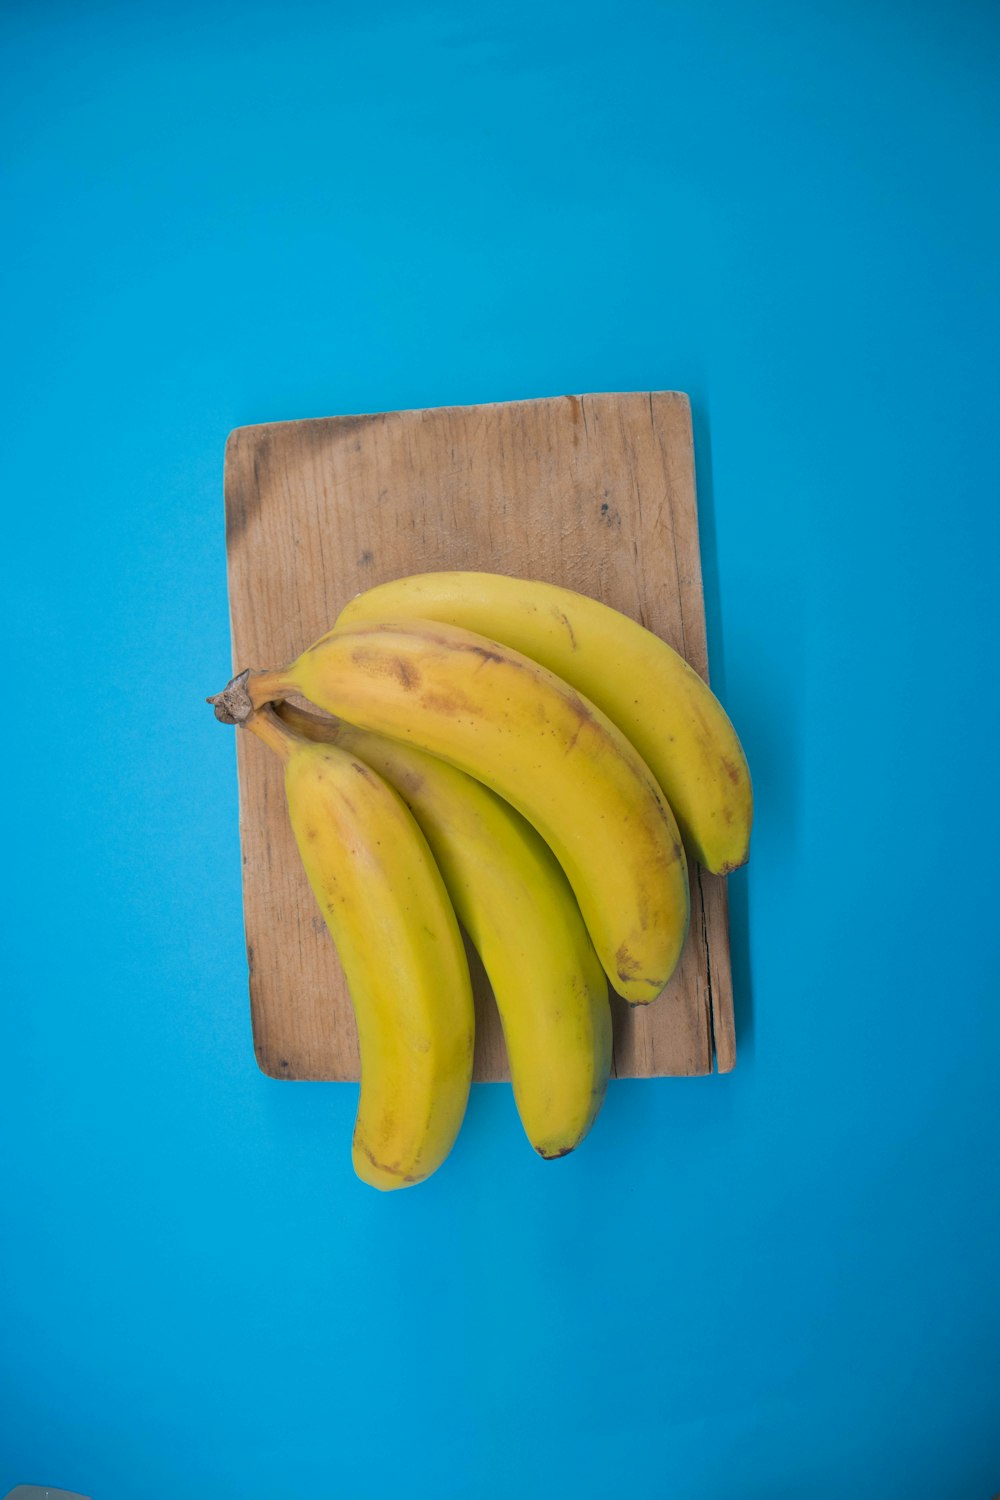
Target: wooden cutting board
{"points": [[593, 492]]}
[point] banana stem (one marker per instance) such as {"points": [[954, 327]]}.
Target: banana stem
{"points": [[266, 725], [247, 692], [310, 726], [268, 687]]}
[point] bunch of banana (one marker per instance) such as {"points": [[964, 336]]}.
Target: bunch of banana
{"points": [[516, 905], [554, 758]]}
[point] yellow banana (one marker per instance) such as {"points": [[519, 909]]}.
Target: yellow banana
{"points": [[537, 742], [385, 904], [660, 703], [520, 913]]}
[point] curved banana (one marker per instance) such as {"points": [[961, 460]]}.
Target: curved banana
{"points": [[660, 703], [517, 907], [516, 726], [385, 904]]}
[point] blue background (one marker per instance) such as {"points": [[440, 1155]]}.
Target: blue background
{"points": [[776, 1284]]}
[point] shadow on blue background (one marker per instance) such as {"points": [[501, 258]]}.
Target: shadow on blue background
{"points": [[777, 1283]]}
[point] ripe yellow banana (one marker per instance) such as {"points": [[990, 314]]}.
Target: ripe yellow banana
{"points": [[520, 913], [537, 742], [385, 904], [660, 703]]}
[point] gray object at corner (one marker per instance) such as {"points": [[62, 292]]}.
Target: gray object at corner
{"points": [[42, 1492]]}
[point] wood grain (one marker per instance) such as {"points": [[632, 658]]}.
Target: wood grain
{"points": [[594, 492]]}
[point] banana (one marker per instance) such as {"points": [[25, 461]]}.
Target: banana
{"points": [[537, 742], [659, 702], [397, 936], [517, 907]]}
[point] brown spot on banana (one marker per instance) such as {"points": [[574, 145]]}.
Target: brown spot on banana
{"points": [[565, 620], [627, 966], [377, 664], [449, 704], [486, 654], [391, 1168]]}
